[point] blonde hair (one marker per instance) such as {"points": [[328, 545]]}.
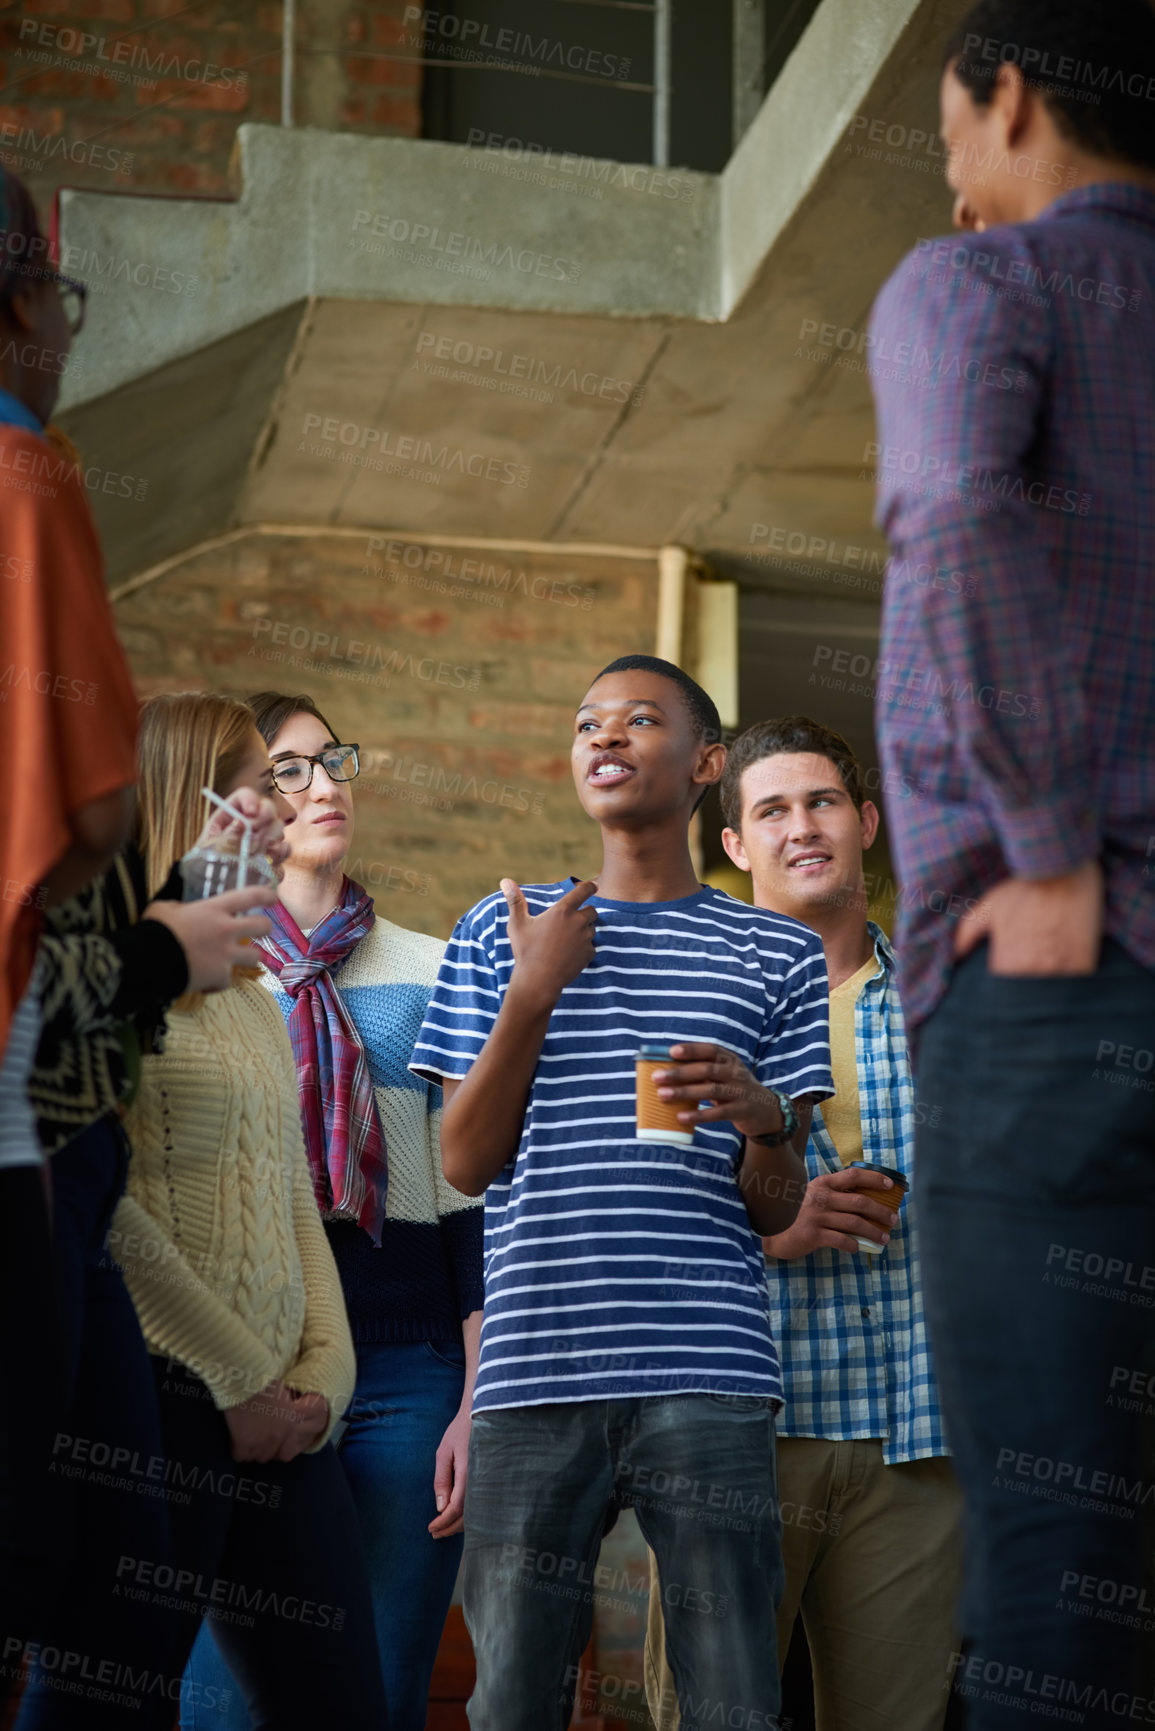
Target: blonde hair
{"points": [[188, 740]]}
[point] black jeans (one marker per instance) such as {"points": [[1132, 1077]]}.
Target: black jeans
{"points": [[699, 1472], [99, 1662], [1035, 1193], [31, 1398], [269, 1554]]}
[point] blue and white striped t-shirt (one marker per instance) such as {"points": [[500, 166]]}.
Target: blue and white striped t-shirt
{"points": [[616, 1268]]}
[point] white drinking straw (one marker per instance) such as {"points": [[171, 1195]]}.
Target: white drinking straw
{"points": [[247, 833]]}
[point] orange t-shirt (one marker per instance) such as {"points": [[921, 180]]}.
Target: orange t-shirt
{"points": [[68, 711]]}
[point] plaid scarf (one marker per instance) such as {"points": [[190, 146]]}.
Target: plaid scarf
{"points": [[343, 1136]]}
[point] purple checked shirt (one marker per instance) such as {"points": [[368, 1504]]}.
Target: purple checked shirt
{"points": [[1014, 380]]}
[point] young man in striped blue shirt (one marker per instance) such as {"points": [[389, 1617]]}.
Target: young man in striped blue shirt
{"points": [[626, 1352], [870, 1508]]}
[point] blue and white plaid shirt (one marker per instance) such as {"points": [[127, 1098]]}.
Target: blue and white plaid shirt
{"points": [[850, 1330]]}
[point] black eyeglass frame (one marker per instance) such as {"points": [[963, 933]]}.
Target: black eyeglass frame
{"points": [[319, 758], [63, 285]]}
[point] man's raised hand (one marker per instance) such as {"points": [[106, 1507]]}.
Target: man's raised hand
{"points": [[549, 949]]}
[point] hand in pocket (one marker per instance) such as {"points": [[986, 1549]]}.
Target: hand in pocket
{"points": [[1038, 926]]}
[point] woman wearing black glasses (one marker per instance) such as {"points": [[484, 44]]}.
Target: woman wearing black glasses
{"points": [[353, 988]]}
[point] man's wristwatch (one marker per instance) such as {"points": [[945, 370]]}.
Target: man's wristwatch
{"points": [[789, 1122]]}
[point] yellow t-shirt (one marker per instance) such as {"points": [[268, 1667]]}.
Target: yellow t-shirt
{"points": [[842, 1115]]}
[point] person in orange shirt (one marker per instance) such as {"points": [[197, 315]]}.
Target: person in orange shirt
{"points": [[70, 1347], [69, 752]]}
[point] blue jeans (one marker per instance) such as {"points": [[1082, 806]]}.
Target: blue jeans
{"points": [[406, 1396], [1035, 1189], [545, 1482]]}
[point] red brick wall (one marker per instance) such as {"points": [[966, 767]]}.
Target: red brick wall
{"points": [[111, 94], [457, 674]]}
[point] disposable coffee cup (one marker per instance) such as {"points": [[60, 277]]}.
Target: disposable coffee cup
{"points": [[889, 1198], [657, 1119], [213, 870]]}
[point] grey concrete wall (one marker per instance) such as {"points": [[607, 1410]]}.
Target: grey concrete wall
{"points": [[380, 219], [801, 123], [403, 220]]}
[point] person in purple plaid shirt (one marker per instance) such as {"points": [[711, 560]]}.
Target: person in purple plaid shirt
{"points": [[1016, 482]]}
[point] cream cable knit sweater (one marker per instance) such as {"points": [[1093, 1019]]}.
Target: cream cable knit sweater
{"points": [[218, 1233]]}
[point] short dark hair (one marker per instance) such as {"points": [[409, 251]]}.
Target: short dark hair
{"points": [[707, 723], [1107, 43], [703, 711], [271, 710], [793, 733], [24, 252]]}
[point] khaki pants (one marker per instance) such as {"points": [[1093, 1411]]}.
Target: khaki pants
{"points": [[872, 1564]]}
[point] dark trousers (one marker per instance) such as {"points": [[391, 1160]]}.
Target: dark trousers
{"points": [[97, 1661], [1035, 1193], [699, 1472], [31, 1397], [407, 1393], [269, 1554]]}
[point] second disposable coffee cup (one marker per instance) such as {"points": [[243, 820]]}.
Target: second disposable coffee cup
{"points": [[889, 1198], [657, 1119]]}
